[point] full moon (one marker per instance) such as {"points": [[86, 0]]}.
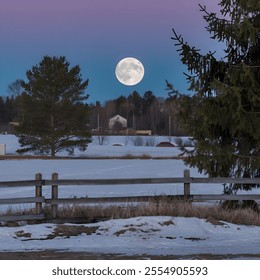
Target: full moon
{"points": [[129, 71]]}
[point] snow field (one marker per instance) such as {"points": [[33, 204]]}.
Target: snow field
{"points": [[135, 236]]}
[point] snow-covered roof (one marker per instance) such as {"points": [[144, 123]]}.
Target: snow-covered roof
{"points": [[117, 119]]}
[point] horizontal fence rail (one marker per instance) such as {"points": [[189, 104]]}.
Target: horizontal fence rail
{"points": [[17, 184], [55, 183], [81, 182], [15, 218], [155, 181], [21, 200]]}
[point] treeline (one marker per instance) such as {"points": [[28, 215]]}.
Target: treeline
{"points": [[9, 107], [143, 112]]}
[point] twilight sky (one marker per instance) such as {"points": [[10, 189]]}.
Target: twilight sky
{"points": [[96, 34]]}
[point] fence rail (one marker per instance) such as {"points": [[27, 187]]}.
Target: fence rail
{"points": [[17, 184], [55, 183]]}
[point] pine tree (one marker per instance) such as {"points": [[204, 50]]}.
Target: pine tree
{"points": [[54, 114], [15, 88], [225, 115], [2, 110]]}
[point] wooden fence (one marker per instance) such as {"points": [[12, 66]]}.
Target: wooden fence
{"points": [[55, 183]]}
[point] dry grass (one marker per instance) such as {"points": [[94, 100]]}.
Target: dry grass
{"points": [[213, 214], [130, 156], [47, 157]]}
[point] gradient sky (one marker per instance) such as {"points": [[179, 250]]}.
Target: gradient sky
{"points": [[96, 34]]}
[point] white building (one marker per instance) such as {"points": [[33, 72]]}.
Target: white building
{"points": [[2, 149], [117, 120]]}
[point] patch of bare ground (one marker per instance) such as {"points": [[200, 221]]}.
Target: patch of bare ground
{"points": [[61, 255], [68, 230], [65, 231]]}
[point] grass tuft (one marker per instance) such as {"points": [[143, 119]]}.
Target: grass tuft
{"points": [[213, 214]]}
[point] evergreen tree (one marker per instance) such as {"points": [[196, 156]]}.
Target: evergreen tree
{"points": [[10, 109], [54, 114], [2, 109], [226, 118], [15, 88], [120, 106], [148, 100], [136, 99]]}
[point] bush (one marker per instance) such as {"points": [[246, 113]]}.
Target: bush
{"points": [[236, 204]]}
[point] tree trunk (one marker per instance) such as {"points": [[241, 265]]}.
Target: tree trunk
{"points": [[53, 153]]}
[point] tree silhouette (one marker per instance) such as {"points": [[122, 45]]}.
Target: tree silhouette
{"points": [[54, 114], [225, 121]]}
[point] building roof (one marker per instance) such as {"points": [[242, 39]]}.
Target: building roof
{"points": [[165, 144], [119, 119]]}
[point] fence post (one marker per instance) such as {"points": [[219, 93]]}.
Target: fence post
{"points": [[38, 193], [54, 195], [186, 185]]}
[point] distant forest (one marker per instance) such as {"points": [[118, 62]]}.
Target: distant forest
{"points": [[9, 111], [143, 112]]}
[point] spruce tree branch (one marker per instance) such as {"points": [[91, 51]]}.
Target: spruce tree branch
{"points": [[212, 16], [191, 56], [172, 91], [244, 64]]}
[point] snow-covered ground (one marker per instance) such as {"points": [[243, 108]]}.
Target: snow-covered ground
{"points": [[113, 146], [139, 236], [135, 236], [99, 169]]}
